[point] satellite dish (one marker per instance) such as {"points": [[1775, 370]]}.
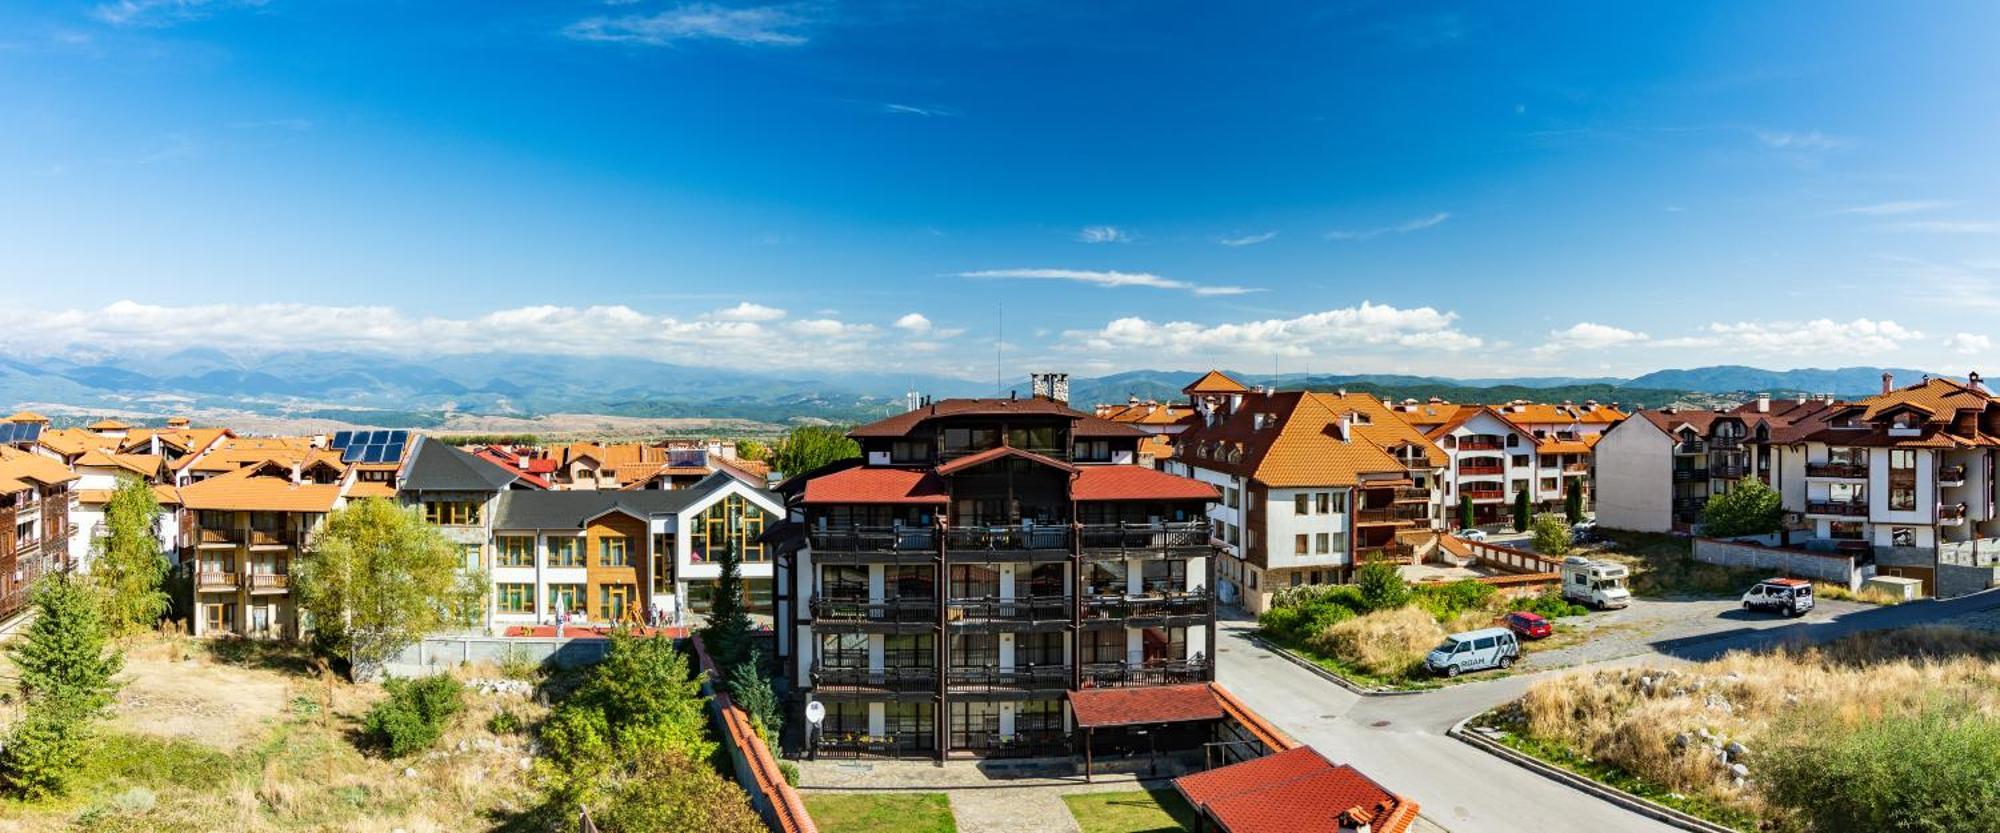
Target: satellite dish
{"points": [[815, 712]]}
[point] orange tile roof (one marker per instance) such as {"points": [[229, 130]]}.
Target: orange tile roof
{"points": [[1136, 483], [1215, 381], [21, 470], [27, 416], [1159, 447], [371, 488], [1294, 791], [70, 442], [1102, 707], [1539, 413], [108, 425], [1580, 445], [866, 485], [1941, 398], [1147, 413], [144, 465], [1305, 447], [1082, 424], [244, 489]]}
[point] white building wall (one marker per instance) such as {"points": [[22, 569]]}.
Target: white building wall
{"points": [[1635, 480], [1283, 524]]}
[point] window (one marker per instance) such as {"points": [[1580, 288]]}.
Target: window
{"points": [[909, 650], [1038, 649], [1102, 578], [914, 725], [843, 718], [1164, 644], [909, 581], [616, 601], [1299, 544], [468, 556], [959, 440], [1230, 497], [614, 551], [1038, 717], [1902, 536], [1322, 543], [1297, 578], [1302, 505], [730, 522], [1902, 498], [1513, 440], [1093, 451], [451, 512], [214, 519], [975, 650], [975, 725], [909, 451], [1847, 493], [517, 551], [1103, 646], [1326, 503], [567, 598], [565, 552], [974, 581], [1165, 576], [843, 650], [1548, 484], [1520, 460], [1845, 530], [516, 598]]}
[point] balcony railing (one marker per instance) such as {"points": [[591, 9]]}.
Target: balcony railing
{"points": [[851, 745], [1951, 474], [1481, 469], [1690, 447], [1381, 552], [1152, 672], [270, 582], [1726, 471], [1109, 606], [1951, 512], [1686, 475], [1689, 505], [1576, 468], [1026, 678], [873, 539], [1017, 609], [1725, 443], [1147, 537], [1484, 494], [921, 678], [1842, 508], [214, 580], [206, 536], [838, 609], [1479, 444], [1019, 745], [1007, 538], [1843, 471], [272, 538], [1409, 495], [1391, 514]]}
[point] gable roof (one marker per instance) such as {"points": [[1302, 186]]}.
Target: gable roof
{"points": [[21, 470], [442, 467], [992, 454], [1215, 381], [246, 489], [877, 485], [1082, 424], [1300, 442], [1294, 791], [573, 509], [1103, 483]]}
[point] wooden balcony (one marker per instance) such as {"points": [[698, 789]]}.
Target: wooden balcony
{"points": [[996, 678], [1690, 475], [1121, 606], [214, 580], [1837, 471], [1014, 611], [1951, 513], [274, 538], [1484, 495], [1725, 443], [1951, 475], [1473, 470], [206, 537], [1727, 471], [1411, 495], [270, 583], [1838, 508], [1151, 672], [835, 609], [895, 679], [1142, 538], [1690, 447], [1398, 514]]}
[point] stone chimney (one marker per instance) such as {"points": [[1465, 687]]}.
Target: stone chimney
{"points": [[1050, 385], [1763, 403], [1888, 381]]}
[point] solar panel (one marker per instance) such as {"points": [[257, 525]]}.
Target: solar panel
{"points": [[6, 432], [340, 439], [399, 437], [374, 454], [380, 438], [392, 452], [27, 432], [352, 453]]}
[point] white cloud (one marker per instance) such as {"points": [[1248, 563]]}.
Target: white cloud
{"points": [[916, 110], [163, 12], [1406, 227], [727, 340], [1108, 279], [1807, 140], [1586, 335], [755, 25], [1368, 325], [1968, 343], [1946, 226], [1819, 337], [914, 322], [1248, 239], [1103, 234], [1884, 209], [745, 311]]}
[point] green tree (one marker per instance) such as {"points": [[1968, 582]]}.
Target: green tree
{"points": [[752, 449], [808, 447], [1552, 535], [665, 791], [65, 665], [376, 580], [1382, 586], [641, 700], [1751, 508], [752, 690], [1573, 500], [1464, 511], [127, 564], [1521, 511], [468, 598], [727, 636]]}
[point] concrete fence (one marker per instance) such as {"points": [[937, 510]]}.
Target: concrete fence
{"points": [[1832, 567], [440, 653]]}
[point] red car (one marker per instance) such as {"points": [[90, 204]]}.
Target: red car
{"points": [[1529, 625]]}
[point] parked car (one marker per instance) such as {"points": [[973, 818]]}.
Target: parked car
{"points": [[1585, 532], [1529, 625], [1789, 596], [1474, 651], [1472, 534]]}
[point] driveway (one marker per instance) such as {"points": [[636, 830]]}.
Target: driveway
{"points": [[1400, 740]]}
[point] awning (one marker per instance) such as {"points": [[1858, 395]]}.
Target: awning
{"points": [[1098, 708]]}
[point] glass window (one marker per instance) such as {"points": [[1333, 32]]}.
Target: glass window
{"points": [[974, 581], [1163, 644], [843, 650], [1301, 504], [975, 650], [909, 650], [1299, 545], [1103, 646], [1322, 543], [730, 522], [1038, 649], [565, 552], [468, 556], [1164, 576], [975, 725], [614, 551], [516, 598], [1902, 497], [1101, 578], [615, 601], [566, 598], [451, 512], [909, 581], [913, 724], [517, 551]]}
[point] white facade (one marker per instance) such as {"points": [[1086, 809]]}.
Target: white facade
{"points": [[1635, 477]]}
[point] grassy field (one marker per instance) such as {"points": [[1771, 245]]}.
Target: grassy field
{"points": [[1138, 811], [215, 736], [1664, 566], [881, 812], [1675, 734]]}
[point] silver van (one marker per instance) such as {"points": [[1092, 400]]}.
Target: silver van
{"points": [[1474, 651]]}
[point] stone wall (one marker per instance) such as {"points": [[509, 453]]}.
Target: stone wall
{"points": [[1953, 580], [1829, 567]]}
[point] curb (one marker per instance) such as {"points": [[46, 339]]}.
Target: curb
{"points": [[1329, 676], [1657, 812]]}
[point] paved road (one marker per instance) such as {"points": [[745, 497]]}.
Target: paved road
{"points": [[1401, 741]]}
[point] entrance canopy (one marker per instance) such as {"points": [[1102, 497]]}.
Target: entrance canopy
{"points": [[1099, 708]]}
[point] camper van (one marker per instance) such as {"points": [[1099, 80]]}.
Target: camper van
{"points": [[1598, 584]]}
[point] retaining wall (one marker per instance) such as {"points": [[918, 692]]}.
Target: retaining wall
{"points": [[1824, 566], [439, 653], [1954, 580]]}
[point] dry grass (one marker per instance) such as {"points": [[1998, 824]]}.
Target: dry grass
{"points": [[290, 762], [1650, 723], [1386, 643], [1866, 595]]}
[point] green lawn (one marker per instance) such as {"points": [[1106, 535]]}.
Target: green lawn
{"points": [[884, 812], [1138, 811]]}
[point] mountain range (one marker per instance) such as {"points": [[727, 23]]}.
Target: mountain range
{"points": [[396, 392]]}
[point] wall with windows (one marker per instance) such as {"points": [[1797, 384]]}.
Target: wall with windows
{"points": [[733, 515], [1315, 518]]}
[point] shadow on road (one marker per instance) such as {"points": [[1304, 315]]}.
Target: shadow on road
{"points": [[1707, 646]]}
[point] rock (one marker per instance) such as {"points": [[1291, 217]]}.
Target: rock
{"points": [[527, 763], [1740, 771], [463, 746], [409, 772], [1682, 740], [1736, 750]]}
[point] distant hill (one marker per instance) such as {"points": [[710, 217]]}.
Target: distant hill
{"points": [[1849, 382]]}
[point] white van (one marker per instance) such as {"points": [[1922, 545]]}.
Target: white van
{"points": [[1474, 651], [1789, 596]]}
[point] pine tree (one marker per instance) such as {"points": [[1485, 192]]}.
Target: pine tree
{"points": [[1521, 511], [128, 567], [66, 668], [1573, 500], [1465, 512], [727, 636]]}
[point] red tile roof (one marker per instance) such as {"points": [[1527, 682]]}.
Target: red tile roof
{"points": [[1136, 483], [532, 475], [1101, 707], [1084, 425], [866, 485], [1295, 791], [991, 454], [1215, 381]]}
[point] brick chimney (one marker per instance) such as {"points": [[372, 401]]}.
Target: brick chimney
{"points": [[1763, 403]]}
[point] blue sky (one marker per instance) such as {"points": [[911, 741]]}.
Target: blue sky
{"points": [[1461, 189]]}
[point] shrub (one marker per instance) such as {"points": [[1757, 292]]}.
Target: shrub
{"points": [[1381, 586], [1301, 622], [42, 755], [1388, 643], [664, 791], [415, 714], [1550, 605], [515, 664], [791, 771], [503, 722], [1932, 770], [1751, 508], [1446, 601], [1552, 535]]}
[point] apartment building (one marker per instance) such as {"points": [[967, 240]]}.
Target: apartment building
{"points": [[1499, 451], [1313, 484], [35, 529], [1657, 469], [944, 594], [669, 465], [1162, 422]]}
